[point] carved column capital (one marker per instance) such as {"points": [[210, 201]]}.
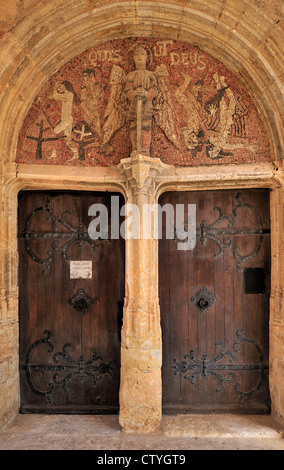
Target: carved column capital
{"points": [[140, 172]]}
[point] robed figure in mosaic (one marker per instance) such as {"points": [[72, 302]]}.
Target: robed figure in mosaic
{"points": [[135, 99]]}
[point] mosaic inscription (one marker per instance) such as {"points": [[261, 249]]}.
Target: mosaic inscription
{"points": [[164, 98]]}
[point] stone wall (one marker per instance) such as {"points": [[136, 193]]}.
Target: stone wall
{"points": [[37, 39]]}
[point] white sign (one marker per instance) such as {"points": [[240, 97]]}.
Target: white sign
{"points": [[80, 269]]}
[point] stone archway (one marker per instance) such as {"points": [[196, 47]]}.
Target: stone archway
{"points": [[44, 39]]}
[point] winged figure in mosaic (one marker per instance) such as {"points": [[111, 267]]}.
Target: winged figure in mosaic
{"points": [[135, 99]]}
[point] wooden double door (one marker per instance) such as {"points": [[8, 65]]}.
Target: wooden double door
{"points": [[214, 302], [71, 292]]}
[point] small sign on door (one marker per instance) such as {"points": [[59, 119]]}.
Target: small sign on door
{"points": [[80, 269]]}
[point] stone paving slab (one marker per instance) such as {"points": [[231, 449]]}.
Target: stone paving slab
{"points": [[182, 432]]}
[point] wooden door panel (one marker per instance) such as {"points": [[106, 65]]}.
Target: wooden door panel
{"points": [[227, 342], [69, 328]]}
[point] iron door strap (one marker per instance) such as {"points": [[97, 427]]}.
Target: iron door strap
{"points": [[215, 231], [64, 368], [60, 229], [205, 367]]}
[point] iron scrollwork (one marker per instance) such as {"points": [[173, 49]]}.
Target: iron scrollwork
{"points": [[206, 232], [93, 369], [72, 235], [204, 367]]}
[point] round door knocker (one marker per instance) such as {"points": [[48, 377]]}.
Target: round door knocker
{"points": [[204, 299], [81, 301]]}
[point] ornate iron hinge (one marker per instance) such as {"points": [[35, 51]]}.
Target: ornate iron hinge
{"points": [[68, 370], [206, 232], [78, 235], [204, 367]]}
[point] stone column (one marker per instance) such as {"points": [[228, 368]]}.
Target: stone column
{"points": [[141, 359], [276, 376], [9, 326]]}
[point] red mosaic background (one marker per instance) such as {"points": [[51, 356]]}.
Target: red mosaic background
{"points": [[203, 99]]}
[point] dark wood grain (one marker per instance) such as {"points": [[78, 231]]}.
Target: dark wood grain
{"points": [[44, 305], [185, 327]]}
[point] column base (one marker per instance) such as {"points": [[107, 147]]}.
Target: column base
{"points": [[140, 398]]}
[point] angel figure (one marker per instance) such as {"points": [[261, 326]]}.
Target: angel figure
{"points": [[135, 99]]}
